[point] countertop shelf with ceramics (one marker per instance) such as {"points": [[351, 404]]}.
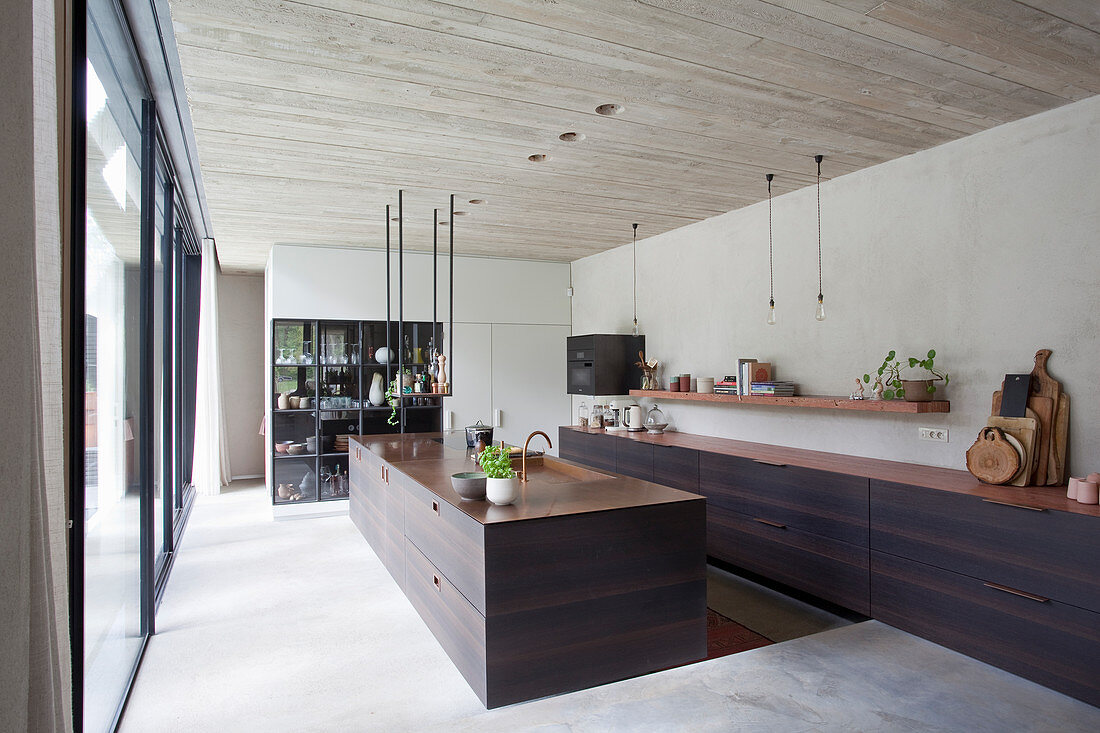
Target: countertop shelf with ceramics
{"points": [[826, 402]]}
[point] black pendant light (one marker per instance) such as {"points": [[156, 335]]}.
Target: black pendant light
{"points": [[635, 331], [820, 314], [771, 268]]}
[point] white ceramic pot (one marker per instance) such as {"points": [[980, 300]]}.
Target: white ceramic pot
{"points": [[501, 490], [383, 355], [377, 395]]}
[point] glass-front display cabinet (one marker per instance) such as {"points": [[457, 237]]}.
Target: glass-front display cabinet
{"points": [[329, 381]]}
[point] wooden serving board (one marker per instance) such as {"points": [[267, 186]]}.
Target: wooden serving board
{"points": [[992, 459], [1025, 430], [1056, 467], [1044, 401]]}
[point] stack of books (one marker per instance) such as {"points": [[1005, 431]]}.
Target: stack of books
{"points": [[774, 389], [728, 385], [754, 378]]}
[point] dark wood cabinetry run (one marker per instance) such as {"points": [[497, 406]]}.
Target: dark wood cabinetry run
{"points": [[1007, 575]]}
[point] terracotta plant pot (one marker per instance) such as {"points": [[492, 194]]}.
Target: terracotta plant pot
{"points": [[916, 390]]}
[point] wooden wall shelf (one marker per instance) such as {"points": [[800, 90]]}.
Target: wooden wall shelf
{"points": [[826, 402]]}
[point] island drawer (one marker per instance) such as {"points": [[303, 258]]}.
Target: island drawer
{"points": [[392, 528], [451, 540], [827, 568], [456, 625], [1050, 553], [1052, 643], [829, 504]]}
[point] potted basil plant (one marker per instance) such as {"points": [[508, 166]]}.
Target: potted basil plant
{"points": [[501, 483]]}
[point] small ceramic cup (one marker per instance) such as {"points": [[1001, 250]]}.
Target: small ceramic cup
{"points": [[705, 385], [1087, 492], [1094, 477], [1073, 483], [685, 382], [674, 384]]}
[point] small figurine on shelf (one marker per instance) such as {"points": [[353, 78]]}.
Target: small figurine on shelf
{"points": [[876, 392], [857, 395]]}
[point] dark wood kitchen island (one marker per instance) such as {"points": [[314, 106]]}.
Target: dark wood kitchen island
{"points": [[589, 577]]}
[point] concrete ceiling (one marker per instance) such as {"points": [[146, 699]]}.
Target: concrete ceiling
{"points": [[310, 116]]}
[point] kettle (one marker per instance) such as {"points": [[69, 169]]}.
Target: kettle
{"points": [[635, 421]]}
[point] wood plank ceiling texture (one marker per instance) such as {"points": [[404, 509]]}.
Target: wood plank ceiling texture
{"points": [[310, 115]]}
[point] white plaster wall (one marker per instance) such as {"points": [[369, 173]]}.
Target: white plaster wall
{"points": [[242, 340], [350, 283], [985, 249]]}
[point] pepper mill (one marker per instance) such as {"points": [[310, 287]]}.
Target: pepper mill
{"points": [[441, 377]]}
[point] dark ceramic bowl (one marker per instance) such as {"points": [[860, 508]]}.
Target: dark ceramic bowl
{"points": [[470, 486]]}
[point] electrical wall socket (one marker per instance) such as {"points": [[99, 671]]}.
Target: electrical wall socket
{"points": [[939, 435]]}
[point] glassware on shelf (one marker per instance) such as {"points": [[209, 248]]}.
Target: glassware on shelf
{"points": [[282, 356], [326, 482], [306, 356], [582, 415], [354, 353], [408, 350]]}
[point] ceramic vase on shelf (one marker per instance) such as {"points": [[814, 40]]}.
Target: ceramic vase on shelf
{"points": [[284, 401], [377, 395], [501, 491], [383, 355]]}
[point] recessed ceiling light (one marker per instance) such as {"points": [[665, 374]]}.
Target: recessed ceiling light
{"points": [[538, 158], [394, 218], [461, 213], [571, 137], [609, 109], [477, 202], [442, 223]]}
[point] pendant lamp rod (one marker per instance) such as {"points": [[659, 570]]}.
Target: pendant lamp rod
{"points": [[820, 313], [401, 304], [451, 314], [771, 267], [435, 286], [389, 349]]}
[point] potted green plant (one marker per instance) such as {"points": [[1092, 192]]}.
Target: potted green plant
{"points": [[910, 390], [393, 396], [501, 483]]}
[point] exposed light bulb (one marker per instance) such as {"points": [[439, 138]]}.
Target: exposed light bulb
{"points": [[771, 312], [820, 314], [634, 332]]}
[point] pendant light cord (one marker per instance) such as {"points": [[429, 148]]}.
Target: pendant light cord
{"points": [[771, 268], [635, 274], [820, 292]]}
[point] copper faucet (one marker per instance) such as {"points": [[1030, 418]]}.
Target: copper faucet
{"points": [[523, 465]]}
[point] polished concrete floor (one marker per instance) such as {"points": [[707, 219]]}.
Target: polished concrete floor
{"points": [[296, 626]]}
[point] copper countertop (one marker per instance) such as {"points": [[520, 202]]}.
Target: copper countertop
{"points": [[430, 459], [933, 477]]}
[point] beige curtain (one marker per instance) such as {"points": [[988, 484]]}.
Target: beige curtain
{"points": [[35, 677], [210, 469]]}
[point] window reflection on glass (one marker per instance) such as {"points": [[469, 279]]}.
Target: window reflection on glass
{"points": [[112, 622]]}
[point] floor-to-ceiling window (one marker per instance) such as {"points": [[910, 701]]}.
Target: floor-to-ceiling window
{"points": [[113, 631], [137, 306]]}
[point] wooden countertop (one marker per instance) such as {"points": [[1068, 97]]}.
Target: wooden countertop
{"points": [[933, 477], [431, 458]]}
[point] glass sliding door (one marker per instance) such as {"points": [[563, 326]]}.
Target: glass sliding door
{"points": [[113, 629]]}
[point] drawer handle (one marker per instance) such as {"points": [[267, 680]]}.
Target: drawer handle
{"points": [[1013, 591], [436, 583], [1014, 506], [435, 507], [769, 463], [770, 523]]}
